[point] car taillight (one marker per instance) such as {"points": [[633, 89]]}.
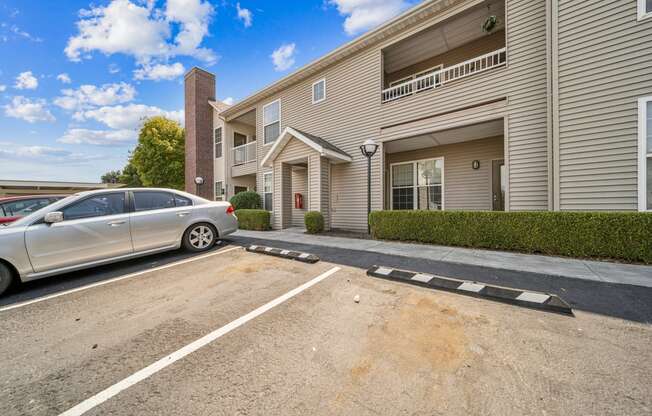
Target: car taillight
{"points": [[230, 209]]}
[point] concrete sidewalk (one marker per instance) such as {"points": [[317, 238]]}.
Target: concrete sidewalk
{"points": [[557, 266]]}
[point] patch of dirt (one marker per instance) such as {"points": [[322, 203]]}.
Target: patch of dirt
{"points": [[418, 334]]}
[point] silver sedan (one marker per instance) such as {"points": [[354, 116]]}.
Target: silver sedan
{"points": [[98, 227]]}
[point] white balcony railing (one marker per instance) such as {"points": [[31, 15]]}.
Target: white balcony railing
{"points": [[435, 79], [244, 154]]}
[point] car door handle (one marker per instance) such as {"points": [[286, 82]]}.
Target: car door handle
{"points": [[183, 214], [116, 223]]}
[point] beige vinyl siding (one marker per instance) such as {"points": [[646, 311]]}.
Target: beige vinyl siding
{"points": [[352, 113], [605, 64], [464, 187]]}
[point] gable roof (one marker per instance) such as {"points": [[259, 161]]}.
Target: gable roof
{"points": [[414, 15], [321, 146]]}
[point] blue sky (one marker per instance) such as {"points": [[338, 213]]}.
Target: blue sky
{"points": [[76, 78]]}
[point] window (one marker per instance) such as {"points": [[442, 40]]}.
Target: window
{"points": [[182, 201], [23, 207], [271, 121], [96, 206], [239, 139], [319, 91], [218, 142], [268, 189], [644, 9], [148, 201], [645, 155], [219, 191], [418, 185]]}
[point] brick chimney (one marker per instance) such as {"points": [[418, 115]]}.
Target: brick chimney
{"points": [[199, 89]]}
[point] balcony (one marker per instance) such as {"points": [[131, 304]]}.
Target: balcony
{"points": [[244, 159], [244, 154], [445, 75]]}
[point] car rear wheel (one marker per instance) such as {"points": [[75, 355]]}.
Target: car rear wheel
{"points": [[6, 277], [199, 237]]}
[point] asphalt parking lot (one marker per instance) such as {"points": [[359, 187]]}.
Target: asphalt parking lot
{"points": [[238, 333]]}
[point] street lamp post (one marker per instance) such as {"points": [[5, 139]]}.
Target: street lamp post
{"points": [[368, 149]]}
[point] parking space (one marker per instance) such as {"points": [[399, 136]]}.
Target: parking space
{"points": [[314, 350]]}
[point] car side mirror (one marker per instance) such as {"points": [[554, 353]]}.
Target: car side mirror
{"points": [[52, 217]]}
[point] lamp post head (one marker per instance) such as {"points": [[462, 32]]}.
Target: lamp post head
{"points": [[199, 180], [369, 148]]}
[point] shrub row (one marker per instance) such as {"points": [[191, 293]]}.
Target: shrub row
{"points": [[253, 219], [615, 235]]}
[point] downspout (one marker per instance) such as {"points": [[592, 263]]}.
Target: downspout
{"points": [[553, 104]]}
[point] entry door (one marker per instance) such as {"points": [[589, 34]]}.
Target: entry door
{"points": [[93, 229], [498, 182]]}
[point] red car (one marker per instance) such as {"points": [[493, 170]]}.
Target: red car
{"points": [[15, 207]]}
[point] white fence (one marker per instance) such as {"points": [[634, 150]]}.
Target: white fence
{"points": [[435, 79]]}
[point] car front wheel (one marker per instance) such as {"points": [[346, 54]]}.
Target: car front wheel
{"points": [[6, 277], [199, 237]]}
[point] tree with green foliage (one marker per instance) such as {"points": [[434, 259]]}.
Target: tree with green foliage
{"points": [[159, 157], [129, 176], [112, 176]]}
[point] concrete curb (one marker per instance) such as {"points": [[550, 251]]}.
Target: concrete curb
{"points": [[519, 297], [286, 254]]}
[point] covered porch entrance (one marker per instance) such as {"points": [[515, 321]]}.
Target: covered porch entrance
{"points": [[462, 168], [300, 164]]}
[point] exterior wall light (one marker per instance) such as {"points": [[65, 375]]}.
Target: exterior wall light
{"points": [[475, 164]]}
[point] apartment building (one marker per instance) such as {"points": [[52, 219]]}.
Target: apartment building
{"points": [[475, 104]]}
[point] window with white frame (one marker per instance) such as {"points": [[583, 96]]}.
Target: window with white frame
{"points": [[319, 91], [268, 189], [418, 184], [644, 9], [645, 155], [271, 121], [219, 190], [218, 142]]}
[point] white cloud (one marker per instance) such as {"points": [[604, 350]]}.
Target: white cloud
{"points": [[114, 69], [144, 31], [193, 17], [23, 34], [13, 151], [228, 100], [99, 137], [2, 88], [283, 57], [64, 78], [362, 15], [127, 117], [28, 110], [87, 96], [26, 81], [245, 15], [160, 71]]}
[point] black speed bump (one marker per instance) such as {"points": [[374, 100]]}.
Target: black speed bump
{"points": [[286, 254], [520, 297]]}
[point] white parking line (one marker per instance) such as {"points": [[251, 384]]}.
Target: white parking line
{"points": [[116, 279], [141, 375]]}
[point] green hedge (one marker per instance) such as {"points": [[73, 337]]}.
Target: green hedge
{"points": [[246, 200], [253, 219], [314, 221], [615, 235]]}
